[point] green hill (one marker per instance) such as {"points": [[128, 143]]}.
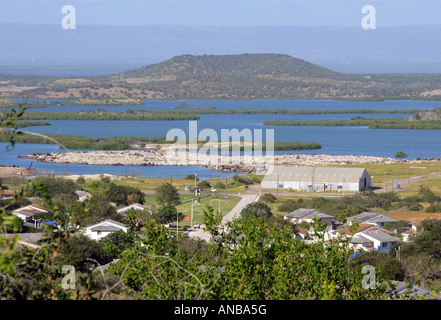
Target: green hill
{"points": [[270, 66], [243, 76]]}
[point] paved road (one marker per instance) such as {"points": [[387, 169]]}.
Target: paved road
{"points": [[233, 214]]}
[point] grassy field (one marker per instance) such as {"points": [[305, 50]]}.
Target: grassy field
{"points": [[150, 184], [206, 199]]}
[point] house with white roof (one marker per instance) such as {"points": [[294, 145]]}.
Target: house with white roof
{"points": [[370, 237], [380, 240], [28, 212], [103, 228], [134, 206]]}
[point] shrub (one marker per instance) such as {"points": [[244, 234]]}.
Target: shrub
{"points": [[268, 197], [400, 154]]}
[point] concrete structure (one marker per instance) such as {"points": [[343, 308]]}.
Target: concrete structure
{"points": [[103, 228], [316, 179]]}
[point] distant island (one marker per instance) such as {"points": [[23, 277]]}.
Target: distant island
{"points": [[243, 76]]}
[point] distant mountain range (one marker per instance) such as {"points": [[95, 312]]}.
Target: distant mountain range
{"points": [[406, 49], [243, 76]]}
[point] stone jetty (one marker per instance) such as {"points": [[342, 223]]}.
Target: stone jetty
{"points": [[165, 157]]}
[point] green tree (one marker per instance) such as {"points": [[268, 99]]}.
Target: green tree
{"points": [[93, 210], [256, 210], [167, 194], [83, 253], [268, 197], [204, 184], [400, 154], [167, 213], [429, 239], [81, 180], [117, 242], [124, 195], [427, 195]]}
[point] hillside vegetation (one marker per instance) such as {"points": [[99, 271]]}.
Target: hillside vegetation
{"points": [[244, 76]]}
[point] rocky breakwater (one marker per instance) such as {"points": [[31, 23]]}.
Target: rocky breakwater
{"points": [[185, 158]]}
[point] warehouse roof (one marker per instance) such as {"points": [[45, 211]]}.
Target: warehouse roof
{"points": [[328, 174]]}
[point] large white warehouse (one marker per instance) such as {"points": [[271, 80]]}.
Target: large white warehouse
{"points": [[316, 179]]}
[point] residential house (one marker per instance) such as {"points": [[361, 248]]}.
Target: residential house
{"points": [[83, 195], [370, 237], [137, 207], [6, 194], [409, 233], [414, 292], [308, 215], [29, 240], [103, 228], [381, 240], [134, 206], [27, 213], [373, 218], [316, 179]]}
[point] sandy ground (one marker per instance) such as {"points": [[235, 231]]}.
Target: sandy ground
{"points": [[6, 172]]}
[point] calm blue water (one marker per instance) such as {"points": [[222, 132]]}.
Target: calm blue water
{"points": [[260, 105], [9, 158], [334, 140]]}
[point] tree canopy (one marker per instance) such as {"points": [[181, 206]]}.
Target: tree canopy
{"points": [[167, 194]]}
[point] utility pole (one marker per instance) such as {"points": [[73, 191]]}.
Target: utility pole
{"points": [[277, 192], [226, 189], [195, 177], [192, 212]]}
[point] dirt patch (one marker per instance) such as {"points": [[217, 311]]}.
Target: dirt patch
{"points": [[6, 172], [413, 215]]}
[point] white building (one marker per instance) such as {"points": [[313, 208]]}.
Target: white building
{"points": [[28, 212], [103, 228], [379, 240], [316, 179]]}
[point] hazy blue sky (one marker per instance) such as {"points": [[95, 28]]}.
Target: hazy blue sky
{"points": [[223, 12]]}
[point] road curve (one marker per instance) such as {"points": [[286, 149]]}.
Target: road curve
{"points": [[233, 214]]}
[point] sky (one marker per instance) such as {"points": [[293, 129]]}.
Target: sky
{"points": [[224, 12]]}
